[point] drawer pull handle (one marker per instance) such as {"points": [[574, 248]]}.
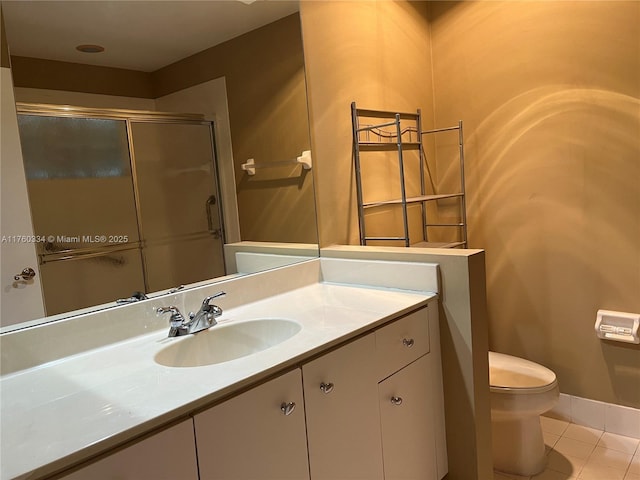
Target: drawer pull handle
{"points": [[408, 342], [288, 408], [326, 388], [396, 401]]}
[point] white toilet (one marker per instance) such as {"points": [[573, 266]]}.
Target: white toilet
{"points": [[520, 392]]}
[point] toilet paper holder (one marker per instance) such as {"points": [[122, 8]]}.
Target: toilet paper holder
{"points": [[618, 326]]}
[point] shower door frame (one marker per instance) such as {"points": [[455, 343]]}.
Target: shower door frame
{"points": [[128, 116]]}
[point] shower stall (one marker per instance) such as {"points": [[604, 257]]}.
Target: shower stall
{"points": [[121, 201]]}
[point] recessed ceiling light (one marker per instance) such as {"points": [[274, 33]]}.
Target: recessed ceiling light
{"points": [[90, 48]]}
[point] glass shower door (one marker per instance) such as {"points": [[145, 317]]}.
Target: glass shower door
{"points": [[82, 201], [178, 202]]}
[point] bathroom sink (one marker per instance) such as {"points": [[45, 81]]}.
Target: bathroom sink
{"points": [[223, 343]]}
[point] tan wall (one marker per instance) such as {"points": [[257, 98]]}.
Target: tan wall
{"points": [[81, 99], [549, 92], [4, 50], [376, 54], [75, 77]]}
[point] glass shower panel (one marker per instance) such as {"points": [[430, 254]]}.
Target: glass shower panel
{"points": [[79, 181], [178, 201]]}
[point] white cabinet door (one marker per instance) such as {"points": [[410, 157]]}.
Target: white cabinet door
{"points": [[341, 406], [168, 455], [258, 435], [406, 414]]}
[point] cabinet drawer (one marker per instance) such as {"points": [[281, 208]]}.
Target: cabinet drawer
{"points": [[401, 342]]}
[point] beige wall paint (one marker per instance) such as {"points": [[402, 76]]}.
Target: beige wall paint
{"points": [[81, 99], [376, 54], [549, 92], [54, 75], [4, 50]]}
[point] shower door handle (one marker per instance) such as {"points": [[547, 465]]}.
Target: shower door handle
{"points": [[216, 232]]}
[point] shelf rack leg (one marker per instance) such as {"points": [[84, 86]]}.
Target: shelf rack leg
{"points": [[356, 159], [463, 199], [422, 160], [405, 217]]}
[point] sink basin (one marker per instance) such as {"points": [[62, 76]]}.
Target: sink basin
{"points": [[223, 343]]}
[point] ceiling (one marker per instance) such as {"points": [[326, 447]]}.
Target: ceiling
{"points": [[138, 35]]}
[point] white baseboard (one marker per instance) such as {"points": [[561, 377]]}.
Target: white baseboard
{"points": [[600, 415]]}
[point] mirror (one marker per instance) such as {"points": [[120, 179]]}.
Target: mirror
{"points": [[236, 64]]}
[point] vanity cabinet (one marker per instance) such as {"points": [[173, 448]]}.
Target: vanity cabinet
{"points": [[167, 455], [371, 405], [258, 435]]}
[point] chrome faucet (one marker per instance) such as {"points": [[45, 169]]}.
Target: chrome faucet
{"points": [[202, 320]]}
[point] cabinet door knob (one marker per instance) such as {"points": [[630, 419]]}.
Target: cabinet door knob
{"points": [[288, 408], [326, 387], [396, 400], [408, 342]]}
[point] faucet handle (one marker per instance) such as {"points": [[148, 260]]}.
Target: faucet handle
{"points": [[214, 310], [211, 297], [205, 302], [177, 320]]}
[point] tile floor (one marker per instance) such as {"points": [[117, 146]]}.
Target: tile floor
{"points": [[575, 452]]}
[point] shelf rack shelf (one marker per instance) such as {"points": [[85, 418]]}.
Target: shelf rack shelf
{"points": [[400, 132]]}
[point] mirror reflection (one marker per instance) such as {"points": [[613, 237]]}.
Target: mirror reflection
{"points": [[127, 198]]}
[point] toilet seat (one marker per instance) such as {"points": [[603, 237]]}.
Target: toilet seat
{"points": [[508, 374]]}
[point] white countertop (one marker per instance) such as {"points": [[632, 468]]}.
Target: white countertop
{"points": [[57, 414]]}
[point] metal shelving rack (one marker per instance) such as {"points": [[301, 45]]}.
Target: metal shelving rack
{"points": [[388, 136]]}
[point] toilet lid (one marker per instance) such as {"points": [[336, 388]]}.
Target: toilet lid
{"points": [[506, 371]]}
